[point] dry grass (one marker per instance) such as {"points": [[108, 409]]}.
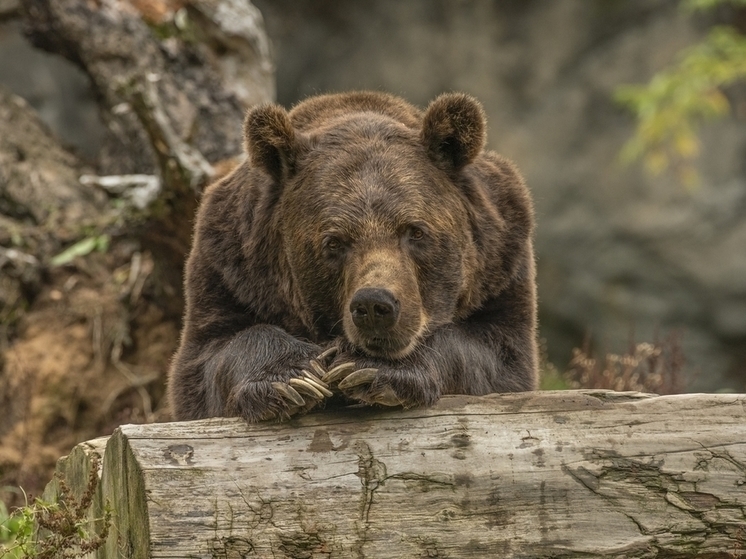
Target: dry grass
{"points": [[655, 367]]}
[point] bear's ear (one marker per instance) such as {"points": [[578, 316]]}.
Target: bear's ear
{"points": [[270, 141], [454, 130]]}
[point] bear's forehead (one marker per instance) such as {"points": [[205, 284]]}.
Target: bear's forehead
{"points": [[373, 172], [369, 202], [361, 206], [363, 126], [372, 165], [367, 137], [376, 185]]}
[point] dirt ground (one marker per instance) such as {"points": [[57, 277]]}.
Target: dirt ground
{"points": [[92, 353]]}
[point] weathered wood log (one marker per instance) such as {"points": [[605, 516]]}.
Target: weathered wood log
{"points": [[545, 474]]}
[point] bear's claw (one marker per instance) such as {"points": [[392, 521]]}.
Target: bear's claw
{"points": [[353, 385], [338, 372], [317, 368], [361, 376], [289, 394], [330, 352], [304, 392], [313, 379], [387, 397], [309, 387]]}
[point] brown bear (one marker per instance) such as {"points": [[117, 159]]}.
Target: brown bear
{"points": [[366, 251]]}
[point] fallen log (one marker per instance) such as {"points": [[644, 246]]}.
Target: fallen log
{"points": [[544, 474]]}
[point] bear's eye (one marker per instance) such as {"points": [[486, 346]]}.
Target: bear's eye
{"points": [[333, 245], [416, 233]]}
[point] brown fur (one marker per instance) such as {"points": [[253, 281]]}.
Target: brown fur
{"points": [[348, 196]]}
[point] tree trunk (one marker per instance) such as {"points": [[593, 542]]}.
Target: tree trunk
{"points": [[174, 79], [91, 252], [544, 474]]}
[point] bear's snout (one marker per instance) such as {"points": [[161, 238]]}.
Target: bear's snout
{"points": [[383, 315], [374, 310]]}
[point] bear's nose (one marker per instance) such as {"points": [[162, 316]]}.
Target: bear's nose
{"points": [[374, 309]]}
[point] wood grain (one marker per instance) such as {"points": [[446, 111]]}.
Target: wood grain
{"points": [[543, 474]]}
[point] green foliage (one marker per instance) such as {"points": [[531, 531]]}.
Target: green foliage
{"points": [[57, 530], [81, 248], [551, 379], [671, 107], [15, 531], [694, 5]]}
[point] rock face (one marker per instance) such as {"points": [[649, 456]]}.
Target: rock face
{"points": [[42, 203], [620, 254]]}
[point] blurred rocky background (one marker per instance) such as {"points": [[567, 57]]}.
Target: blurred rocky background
{"points": [[108, 89], [622, 255]]}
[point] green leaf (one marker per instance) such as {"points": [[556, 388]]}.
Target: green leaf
{"points": [[696, 5], [81, 248], [676, 101], [102, 243]]}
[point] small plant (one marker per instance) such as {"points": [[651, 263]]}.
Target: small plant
{"points": [[54, 530], [14, 528], [550, 377], [81, 248], [671, 108], [646, 367]]}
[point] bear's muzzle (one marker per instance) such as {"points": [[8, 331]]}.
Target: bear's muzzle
{"points": [[374, 311]]}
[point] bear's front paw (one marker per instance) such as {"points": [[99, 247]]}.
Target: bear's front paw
{"points": [[283, 392], [265, 400], [311, 387], [359, 385], [385, 384]]}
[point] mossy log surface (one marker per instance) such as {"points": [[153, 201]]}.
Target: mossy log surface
{"points": [[543, 474]]}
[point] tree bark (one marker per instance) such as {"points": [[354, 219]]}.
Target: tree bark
{"points": [[545, 474]]}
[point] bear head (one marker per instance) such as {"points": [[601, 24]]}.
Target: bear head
{"points": [[375, 216]]}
